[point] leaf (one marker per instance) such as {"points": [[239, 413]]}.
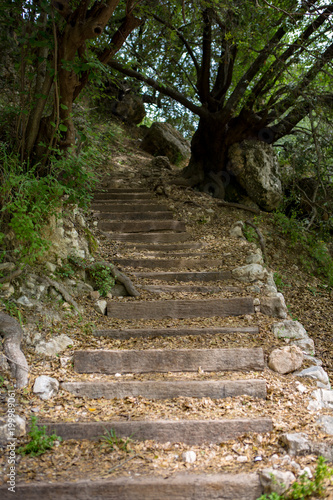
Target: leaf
{"points": [[62, 127]]}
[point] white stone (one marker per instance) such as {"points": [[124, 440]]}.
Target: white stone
{"points": [[100, 306], [307, 345], [54, 346], [301, 388], [276, 481], [256, 302], [326, 422], [286, 359], [24, 301], [6, 428], [45, 387], [317, 373], [250, 272], [306, 471], [297, 443], [189, 457], [50, 267], [274, 305], [254, 258], [242, 458], [289, 329]]}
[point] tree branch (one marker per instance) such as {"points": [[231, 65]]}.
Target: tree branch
{"points": [[204, 74], [12, 332]]}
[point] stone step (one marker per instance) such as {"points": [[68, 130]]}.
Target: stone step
{"points": [[175, 486], [168, 360], [152, 389], [180, 309], [122, 190], [121, 216], [143, 226], [186, 276], [189, 289], [191, 432], [122, 196], [172, 332], [149, 237], [163, 248], [127, 208], [171, 263]]}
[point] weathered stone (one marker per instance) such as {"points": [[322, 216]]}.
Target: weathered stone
{"points": [[289, 329], [82, 288], [15, 425], [151, 237], [189, 457], [326, 422], [54, 346], [317, 373], [95, 295], [286, 359], [250, 272], [4, 366], [170, 263], [161, 162], [100, 306], [307, 345], [45, 387], [139, 226], [164, 140], [119, 291], [130, 108], [7, 266], [186, 276], [274, 306], [236, 230], [255, 165], [276, 481], [322, 398], [149, 332], [297, 443], [254, 258], [165, 360], [50, 267], [25, 302]]}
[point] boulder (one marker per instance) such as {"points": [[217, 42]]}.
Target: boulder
{"points": [[274, 305], [161, 162], [326, 423], [286, 359], [250, 272], [45, 387], [130, 108], [299, 444], [164, 140], [276, 481], [54, 346], [100, 306], [322, 398], [255, 166]]}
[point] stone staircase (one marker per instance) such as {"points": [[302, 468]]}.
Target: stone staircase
{"points": [[161, 257]]}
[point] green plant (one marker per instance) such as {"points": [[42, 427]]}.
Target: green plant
{"points": [[305, 487], [103, 279], [114, 442], [13, 310], [65, 271], [280, 284], [39, 442]]}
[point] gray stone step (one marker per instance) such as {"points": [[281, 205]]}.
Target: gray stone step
{"points": [[149, 237], [152, 389], [105, 196], [168, 360], [189, 289], [179, 309], [143, 226], [171, 263], [162, 248], [186, 431], [176, 486], [172, 332], [203, 276], [122, 190], [122, 216], [117, 207]]}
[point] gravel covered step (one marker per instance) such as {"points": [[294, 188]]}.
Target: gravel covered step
{"points": [[121, 216], [186, 276], [122, 196], [128, 208], [179, 309], [149, 237], [171, 263], [189, 289], [143, 226], [168, 389], [177, 486], [168, 360], [173, 332], [162, 431]]}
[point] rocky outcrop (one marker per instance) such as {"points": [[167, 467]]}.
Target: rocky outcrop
{"points": [[130, 109], [255, 166], [164, 140]]}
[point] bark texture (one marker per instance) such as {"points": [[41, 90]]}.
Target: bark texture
{"points": [[12, 332]]}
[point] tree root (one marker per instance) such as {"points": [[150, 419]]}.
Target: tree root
{"points": [[260, 237], [11, 276], [61, 289], [12, 332]]}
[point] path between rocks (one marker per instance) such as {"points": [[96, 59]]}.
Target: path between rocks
{"points": [[202, 295]]}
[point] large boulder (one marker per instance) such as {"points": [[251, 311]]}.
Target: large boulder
{"points": [[130, 109], [255, 166], [164, 140]]}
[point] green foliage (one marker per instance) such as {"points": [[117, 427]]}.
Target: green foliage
{"points": [[249, 233], [65, 271], [114, 442], [278, 279], [39, 442], [13, 310], [306, 488], [103, 279]]}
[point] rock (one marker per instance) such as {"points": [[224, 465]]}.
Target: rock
{"points": [[299, 444], [119, 291], [289, 329], [12, 428], [317, 373], [286, 359], [4, 366], [7, 266], [54, 346], [276, 481], [130, 108], [100, 306], [25, 302], [254, 258], [316, 361], [250, 272], [50, 267], [95, 295], [7, 290], [82, 288], [256, 168], [189, 457], [322, 398], [326, 422], [45, 387], [274, 306], [164, 140], [161, 162], [236, 230], [307, 345]]}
